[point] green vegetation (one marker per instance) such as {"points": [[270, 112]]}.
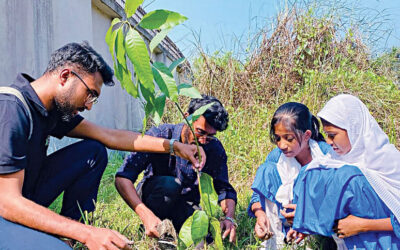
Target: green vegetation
{"points": [[305, 58]]}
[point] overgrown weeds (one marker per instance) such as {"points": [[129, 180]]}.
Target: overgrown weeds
{"points": [[305, 58]]}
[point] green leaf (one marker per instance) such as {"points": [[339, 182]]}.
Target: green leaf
{"points": [[159, 107], [158, 38], [131, 7], [125, 78], [110, 36], [149, 111], [160, 81], [185, 234], [137, 52], [175, 63], [165, 81], [161, 19], [199, 226], [120, 48], [163, 68], [199, 112], [188, 90], [208, 196], [216, 233], [147, 95]]}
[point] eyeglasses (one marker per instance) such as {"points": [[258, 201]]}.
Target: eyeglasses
{"points": [[92, 96], [204, 134]]}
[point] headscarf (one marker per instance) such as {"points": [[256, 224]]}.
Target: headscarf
{"points": [[371, 150]]}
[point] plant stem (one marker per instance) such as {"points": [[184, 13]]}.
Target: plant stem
{"points": [[191, 129]]}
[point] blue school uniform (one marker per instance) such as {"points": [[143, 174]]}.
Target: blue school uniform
{"points": [[267, 181], [325, 195]]}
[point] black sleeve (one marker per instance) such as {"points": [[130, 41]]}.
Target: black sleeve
{"points": [[64, 127], [136, 162], [216, 166], [14, 122]]}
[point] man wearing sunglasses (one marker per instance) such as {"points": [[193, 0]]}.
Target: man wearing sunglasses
{"points": [[169, 189], [30, 180]]}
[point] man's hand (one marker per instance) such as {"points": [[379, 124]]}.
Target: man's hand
{"points": [[189, 152], [150, 225], [289, 216], [228, 228], [262, 227], [101, 238], [293, 235]]}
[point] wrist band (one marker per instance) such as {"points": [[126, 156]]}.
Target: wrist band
{"points": [[171, 146], [231, 220]]}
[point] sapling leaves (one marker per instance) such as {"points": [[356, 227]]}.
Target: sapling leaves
{"points": [[208, 197], [161, 19], [159, 107], [125, 78], [165, 81], [158, 38], [163, 68], [110, 36], [175, 63], [199, 112], [120, 47], [199, 227], [185, 234], [188, 90], [137, 52], [131, 7], [215, 230]]}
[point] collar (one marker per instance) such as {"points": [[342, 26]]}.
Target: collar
{"points": [[23, 84], [177, 131]]}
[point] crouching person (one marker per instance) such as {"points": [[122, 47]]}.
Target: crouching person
{"points": [[169, 189], [32, 110]]}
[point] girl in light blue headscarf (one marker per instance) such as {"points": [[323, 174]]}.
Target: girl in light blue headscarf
{"points": [[293, 129]]}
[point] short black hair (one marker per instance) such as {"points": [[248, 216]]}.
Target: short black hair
{"points": [[296, 117], [84, 57], [216, 115]]}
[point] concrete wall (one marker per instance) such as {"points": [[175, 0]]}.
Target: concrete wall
{"points": [[32, 29]]}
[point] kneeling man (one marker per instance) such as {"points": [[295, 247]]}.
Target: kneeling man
{"points": [[169, 189]]}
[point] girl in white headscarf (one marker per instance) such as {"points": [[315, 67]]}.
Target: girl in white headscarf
{"points": [[359, 141]]}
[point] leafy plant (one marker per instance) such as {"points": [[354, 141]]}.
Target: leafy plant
{"points": [[125, 42], [197, 226]]}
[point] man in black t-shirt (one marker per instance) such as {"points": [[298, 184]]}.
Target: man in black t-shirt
{"points": [[30, 180]]}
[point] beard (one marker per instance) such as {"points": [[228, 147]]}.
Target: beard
{"points": [[64, 106]]}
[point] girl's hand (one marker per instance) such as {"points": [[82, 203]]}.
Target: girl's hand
{"points": [[294, 235], [262, 227], [289, 216], [351, 225]]}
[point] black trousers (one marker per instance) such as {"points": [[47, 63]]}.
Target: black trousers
{"points": [[162, 195], [76, 170]]}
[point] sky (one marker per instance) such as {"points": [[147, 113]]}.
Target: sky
{"points": [[232, 24]]}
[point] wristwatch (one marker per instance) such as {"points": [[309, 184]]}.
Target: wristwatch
{"points": [[171, 146]]}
